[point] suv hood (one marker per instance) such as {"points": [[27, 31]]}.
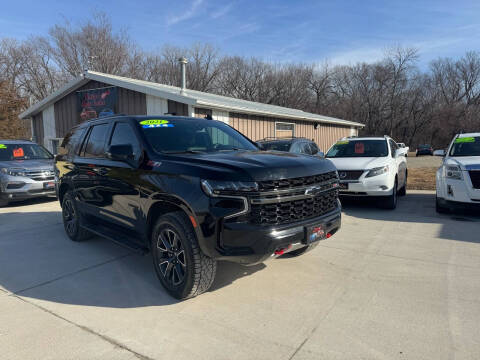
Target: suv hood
{"points": [[465, 162], [46, 164], [249, 165], [359, 163]]}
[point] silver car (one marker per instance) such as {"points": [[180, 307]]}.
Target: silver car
{"points": [[26, 171]]}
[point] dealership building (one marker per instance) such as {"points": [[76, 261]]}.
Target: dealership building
{"points": [[96, 94]]}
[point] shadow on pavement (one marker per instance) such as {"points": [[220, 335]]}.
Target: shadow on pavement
{"points": [[418, 208], [38, 261]]}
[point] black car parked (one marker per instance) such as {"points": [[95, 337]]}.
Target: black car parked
{"points": [[192, 191], [424, 150], [293, 145]]}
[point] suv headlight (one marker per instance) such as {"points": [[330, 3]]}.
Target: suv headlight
{"points": [[377, 171], [453, 172], [13, 172], [215, 188]]}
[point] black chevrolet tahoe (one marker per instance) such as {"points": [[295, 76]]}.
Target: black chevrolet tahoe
{"points": [[192, 191]]}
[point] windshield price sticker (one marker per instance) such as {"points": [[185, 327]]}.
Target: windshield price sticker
{"points": [[464, 140], [3, 146], [18, 152], [155, 123], [344, 142]]}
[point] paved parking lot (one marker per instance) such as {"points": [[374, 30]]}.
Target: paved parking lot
{"points": [[401, 284]]}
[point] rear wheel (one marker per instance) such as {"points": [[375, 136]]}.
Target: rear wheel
{"points": [[403, 190], [181, 267], [71, 219]]}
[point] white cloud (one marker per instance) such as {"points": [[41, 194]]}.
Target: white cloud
{"points": [[187, 14], [353, 56], [222, 11]]}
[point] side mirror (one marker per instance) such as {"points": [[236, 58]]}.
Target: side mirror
{"points": [[320, 154], [122, 152], [439, 153], [260, 146]]}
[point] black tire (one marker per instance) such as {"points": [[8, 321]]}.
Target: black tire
{"points": [[391, 201], [403, 190], [3, 203], [439, 208], [181, 267], [72, 219], [302, 250]]}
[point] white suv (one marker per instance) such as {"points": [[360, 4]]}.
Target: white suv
{"points": [[370, 166], [458, 179]]}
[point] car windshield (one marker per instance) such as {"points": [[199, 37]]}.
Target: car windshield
{"points": [[193, 135], [276, 145], [466, 146], [10, 152], [358, 148]]}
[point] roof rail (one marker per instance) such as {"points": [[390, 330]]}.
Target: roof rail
{"points": [[109, 116]]}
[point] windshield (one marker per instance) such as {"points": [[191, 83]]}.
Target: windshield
{"points": [[466, 146], [193, 135], [276, 145], [10, 152], [358, 148]]}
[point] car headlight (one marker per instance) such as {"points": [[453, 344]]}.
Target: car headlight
{"points": [[377, 171], [453, 172], [13, 172], [215, 188]]}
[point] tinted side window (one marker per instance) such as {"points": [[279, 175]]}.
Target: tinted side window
{"points": [[296, 148], [95, 145], [122, 135], [314, 148]]}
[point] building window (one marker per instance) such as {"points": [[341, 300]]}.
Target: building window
{"points": [[284, 130]]}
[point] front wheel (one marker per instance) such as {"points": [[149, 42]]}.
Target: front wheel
{"points": [[71, 219], [391, 201], [403, 190], [181, 267], [440, 208]]}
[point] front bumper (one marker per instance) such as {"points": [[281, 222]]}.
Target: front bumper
{"points": [[14, 188], [373, 186], [459, 205], [250, 244]]}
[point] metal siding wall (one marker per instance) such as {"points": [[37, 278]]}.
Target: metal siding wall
{"points": [[259, 127], [179, 109], [156, 105], [202, 112], [131, 102], [37, 122]]}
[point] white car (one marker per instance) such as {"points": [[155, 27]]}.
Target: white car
{"points": [[458, 179], [370, 166], [403, 146]]}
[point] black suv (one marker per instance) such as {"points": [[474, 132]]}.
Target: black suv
{"points": [[293, 145], [192, 191]]}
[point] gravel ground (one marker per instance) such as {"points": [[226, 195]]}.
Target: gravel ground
{"points": [[424, 161]]}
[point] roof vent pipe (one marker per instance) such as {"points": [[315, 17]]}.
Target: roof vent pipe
{"points": [[183, 62]]}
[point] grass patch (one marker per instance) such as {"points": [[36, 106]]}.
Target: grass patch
{"points": [[421, 178]]}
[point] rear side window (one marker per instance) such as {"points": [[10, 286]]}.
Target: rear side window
{"points": [[314, 148], [122, 135], [95, 145]]}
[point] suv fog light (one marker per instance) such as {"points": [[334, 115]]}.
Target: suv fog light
{"points": [[383, 187], [449, 190]]}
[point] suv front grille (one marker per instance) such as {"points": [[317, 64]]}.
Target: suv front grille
{"points": [[40, 175], [290, 211], [475, 177], [350, 174], [296, 182], [285, 201]]}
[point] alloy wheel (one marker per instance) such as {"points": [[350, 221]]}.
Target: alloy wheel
{"points": [[69, 216], [171, 257]]}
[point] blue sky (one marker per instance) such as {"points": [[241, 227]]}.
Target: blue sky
{"points": [[339, 31]]}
